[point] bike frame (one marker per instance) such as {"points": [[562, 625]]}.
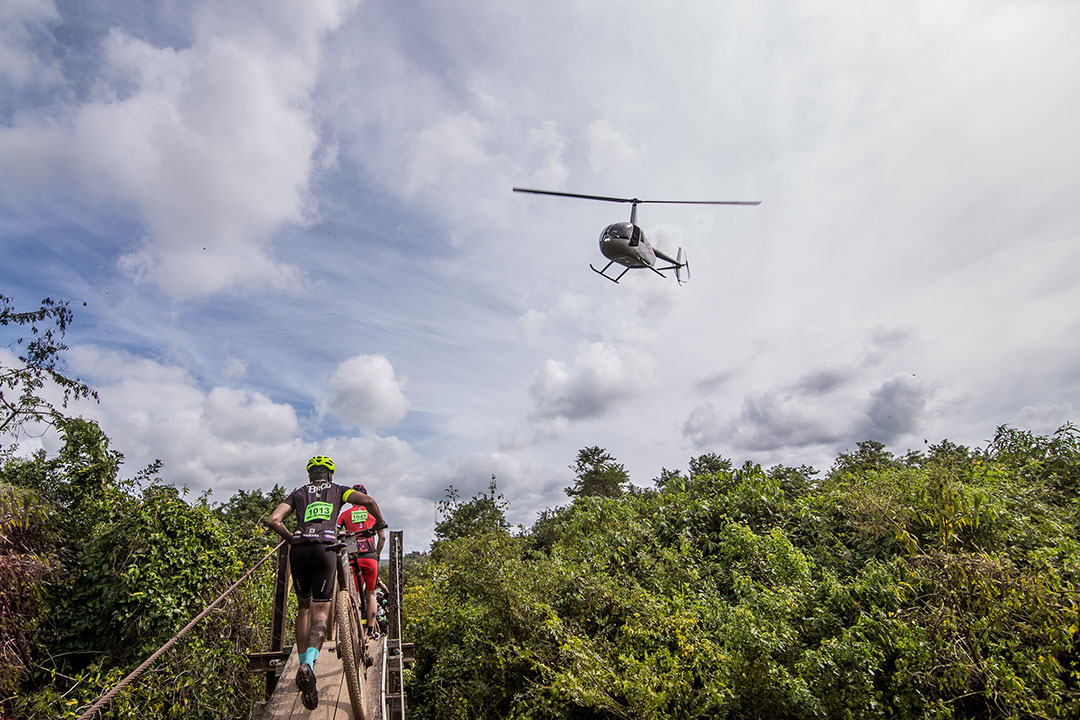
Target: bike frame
{"points": [[351, 643]]}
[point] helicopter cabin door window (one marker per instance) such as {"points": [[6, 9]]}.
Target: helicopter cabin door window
{"points": [[635, 236]]}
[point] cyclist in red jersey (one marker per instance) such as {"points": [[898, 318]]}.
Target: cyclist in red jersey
{"points": [[365, 562], [316, 505]]}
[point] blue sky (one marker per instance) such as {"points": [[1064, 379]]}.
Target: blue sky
{"points": [[293, 229]]}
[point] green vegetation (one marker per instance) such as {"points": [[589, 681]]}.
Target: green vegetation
{"points": [[941, 585], [936, 585], [98, 571], [40, 365]]}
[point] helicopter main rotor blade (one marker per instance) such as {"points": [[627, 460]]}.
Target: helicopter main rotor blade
{"points": [[699, 202], [636, 201], [577, 195]]}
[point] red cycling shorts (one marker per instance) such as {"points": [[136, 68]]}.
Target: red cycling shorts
{"points": [[368, 570]]}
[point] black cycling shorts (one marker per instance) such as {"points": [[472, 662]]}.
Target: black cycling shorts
{"points": [[313, 571]]}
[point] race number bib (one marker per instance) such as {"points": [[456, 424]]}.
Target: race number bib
{"points": [[318, 511]]}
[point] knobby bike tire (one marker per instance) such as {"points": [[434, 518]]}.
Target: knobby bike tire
{"points": [[361, 643], [360, 612], [347, 632]]}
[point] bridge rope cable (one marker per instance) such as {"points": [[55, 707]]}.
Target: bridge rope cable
{"points": [[107, 697]]}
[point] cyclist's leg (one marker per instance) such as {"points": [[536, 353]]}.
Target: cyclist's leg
{"points": [[303, 623], [320, 618], [313, 575], [313, 585], [321, 593], [300, 570], [355, 565], [370, 571], [372, 603]]}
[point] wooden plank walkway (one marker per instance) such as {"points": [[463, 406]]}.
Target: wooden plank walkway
{"points": [[333, 692]]}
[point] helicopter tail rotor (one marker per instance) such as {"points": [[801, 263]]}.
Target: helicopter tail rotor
{"points": [[681, 263]]}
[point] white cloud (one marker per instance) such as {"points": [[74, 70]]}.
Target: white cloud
{"points": [[525, 483], [543, 156], [377, 462], [224, 438], [366, 392], [445, 152], [212, 144], [1044, 418], [599, 379], [608, 148], [206, 439], [242, 415], [21, 21], [243, 122], [235, 368]]}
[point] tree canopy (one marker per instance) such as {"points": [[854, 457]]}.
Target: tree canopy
{"points": [[25, 385], [597, 474], [936, 585]]}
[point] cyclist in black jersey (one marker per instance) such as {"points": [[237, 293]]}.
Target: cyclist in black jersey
{"points": [[316, 505]]}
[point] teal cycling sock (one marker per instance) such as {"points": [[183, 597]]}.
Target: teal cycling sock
{"points": [[312, 653]]}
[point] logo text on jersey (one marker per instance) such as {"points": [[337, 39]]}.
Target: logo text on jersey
{"points": [[318, 511]]}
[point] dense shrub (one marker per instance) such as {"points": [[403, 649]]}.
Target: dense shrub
{"points": [[937, 585], [121, 565]]}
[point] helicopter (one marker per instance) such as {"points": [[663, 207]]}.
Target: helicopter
{"points": [[625, 243]]}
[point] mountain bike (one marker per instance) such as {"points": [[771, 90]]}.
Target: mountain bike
{"points": [[351, 643]]}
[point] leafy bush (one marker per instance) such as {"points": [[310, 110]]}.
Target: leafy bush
{"points": [[132, 561], [938, 585]]}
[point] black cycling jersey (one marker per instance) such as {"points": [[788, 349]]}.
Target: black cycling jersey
{"points": [[316, 506]]}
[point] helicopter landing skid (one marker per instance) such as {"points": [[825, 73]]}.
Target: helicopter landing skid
{"points": [[604, 272]]}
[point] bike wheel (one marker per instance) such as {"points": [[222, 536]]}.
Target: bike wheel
{"points": [[360, 644], [348, 631]]}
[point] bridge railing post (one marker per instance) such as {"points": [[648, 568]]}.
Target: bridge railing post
{"points": [[394, 681], [277, 624], [395, 587]]}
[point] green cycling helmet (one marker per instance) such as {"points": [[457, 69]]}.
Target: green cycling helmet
{"points": [[321, 460]]}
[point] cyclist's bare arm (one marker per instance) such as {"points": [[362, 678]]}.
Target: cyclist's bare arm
{"points": [[277, 520], [358, 498], [382, 541]]}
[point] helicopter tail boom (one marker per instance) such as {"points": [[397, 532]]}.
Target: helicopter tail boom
{"points": [[678, 264]]}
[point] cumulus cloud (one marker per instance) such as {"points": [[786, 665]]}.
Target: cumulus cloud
{"points": [[821, 382], [376, 461], [366, 392], [223, 437], [242, 415], [765, 421], [1045, 417], [156, 411], [523, 481], [895, 409], [211, 144], [818, 409], [598, 380]]}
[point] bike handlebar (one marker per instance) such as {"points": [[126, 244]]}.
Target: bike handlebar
{"points": [[368, 532]]}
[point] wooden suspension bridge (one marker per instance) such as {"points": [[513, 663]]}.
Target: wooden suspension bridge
{"points": [[384, 692]]}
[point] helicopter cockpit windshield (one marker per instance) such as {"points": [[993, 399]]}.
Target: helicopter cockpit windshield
{"points": [[617, 231]]}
